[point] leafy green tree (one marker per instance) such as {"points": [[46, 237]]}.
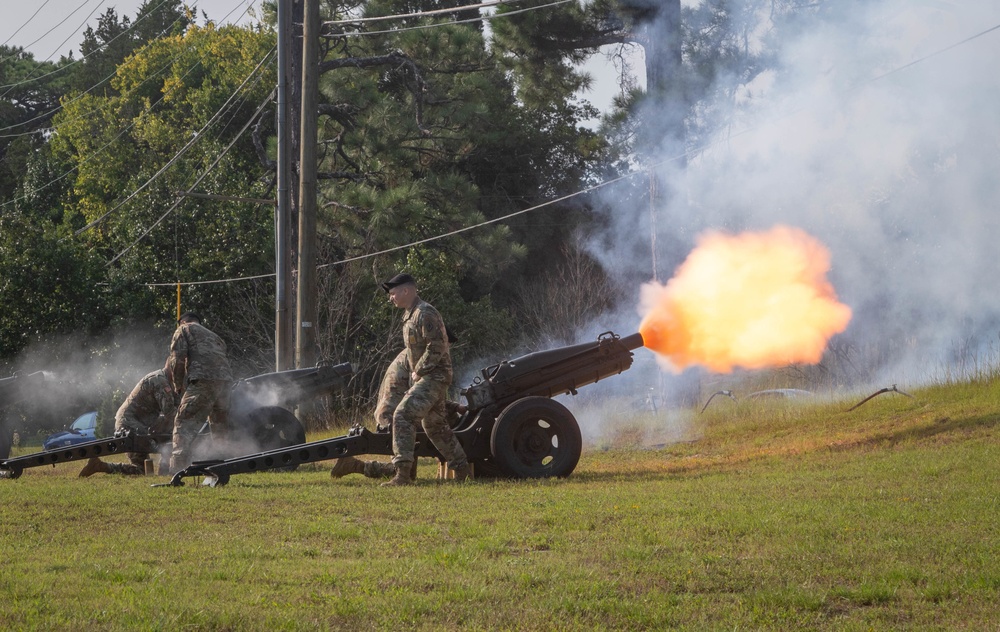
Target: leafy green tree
{"points": [[178, 111], [47, 285], [114, 39], [29, 96]]}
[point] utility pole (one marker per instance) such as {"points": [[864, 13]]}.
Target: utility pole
{"points": [[658, 28], [306, 298], [283, 349]]}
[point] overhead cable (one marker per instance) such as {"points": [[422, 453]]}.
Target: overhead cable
{"points": [[419, 14], [87, 91], [42, 36], [204, 174], [482, 18], [94, 155], [28, 21], [685, 155], [110, 41]]}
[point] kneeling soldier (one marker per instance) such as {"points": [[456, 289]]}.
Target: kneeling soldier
{"points": [[149, 408]]}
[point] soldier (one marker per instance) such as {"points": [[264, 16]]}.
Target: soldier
{"points": [[429, 362], [395, 383], [148, 409], [199, 371]]}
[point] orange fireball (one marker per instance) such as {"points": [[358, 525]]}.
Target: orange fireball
{"points": [[755, 300]]}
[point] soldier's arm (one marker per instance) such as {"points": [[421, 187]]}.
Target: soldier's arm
{"points": [[431, 328], [176, 367]]}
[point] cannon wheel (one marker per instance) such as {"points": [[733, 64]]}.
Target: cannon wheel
{"points": [[536, 437], [274, 427]]}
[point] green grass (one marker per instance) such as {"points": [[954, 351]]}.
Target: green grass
{"points": [[776, 517]]}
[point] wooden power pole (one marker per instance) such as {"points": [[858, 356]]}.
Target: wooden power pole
{"points": [[283, 350], [305, 341]]}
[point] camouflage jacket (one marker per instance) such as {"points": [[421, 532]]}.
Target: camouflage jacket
{"points": [[197, 353], [426, 342], [152, 396]]}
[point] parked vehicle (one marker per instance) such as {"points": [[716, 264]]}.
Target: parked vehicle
{"points": [[80, 431]]}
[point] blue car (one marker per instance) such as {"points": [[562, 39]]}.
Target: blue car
{"points": [[80, 431]]}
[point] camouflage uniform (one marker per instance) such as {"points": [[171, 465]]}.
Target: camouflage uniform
{"points": [[141, 411], [428, 358], [395, 383], [199, 370]]}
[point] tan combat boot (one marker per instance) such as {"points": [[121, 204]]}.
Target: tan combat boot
{"points": [[463, 473], [402, 476], [93, 466], [347, 465]]}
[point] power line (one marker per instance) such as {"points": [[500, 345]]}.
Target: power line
{"points": [[196, 182], [935, 53], [482, 18], [131, 27], [28, 21], [419, 14], [94, 155], [684, 155], [75, 31], [87, 91], [61, 22], [73, 34], [180, 152]]}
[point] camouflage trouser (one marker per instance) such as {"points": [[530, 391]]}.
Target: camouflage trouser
{"points": [[392, 389], [395, 383], [424, 403], [379, 469], [135, 467], [203, 400]]}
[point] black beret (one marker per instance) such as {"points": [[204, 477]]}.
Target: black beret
{"points": [[399, 279], [190, 315]]}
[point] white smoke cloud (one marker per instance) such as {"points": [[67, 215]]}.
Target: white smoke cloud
{"points": [[82, 374], [885, 151]]}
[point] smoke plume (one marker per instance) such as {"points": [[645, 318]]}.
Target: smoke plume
{"points": [[873, 129]]}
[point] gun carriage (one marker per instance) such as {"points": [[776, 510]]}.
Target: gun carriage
{"points": [[258, 414], [512, 428]]}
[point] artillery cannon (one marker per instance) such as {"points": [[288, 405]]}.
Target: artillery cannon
{"points": [[258, 414], [511, 427]]}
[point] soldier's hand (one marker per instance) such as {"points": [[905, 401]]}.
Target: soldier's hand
{"points": [[413, 377]]}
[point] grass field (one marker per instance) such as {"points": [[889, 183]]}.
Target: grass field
{"points": [[778, 516]]}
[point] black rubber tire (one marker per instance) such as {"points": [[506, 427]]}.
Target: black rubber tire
{"points": [[536, 437], [274, 428]]}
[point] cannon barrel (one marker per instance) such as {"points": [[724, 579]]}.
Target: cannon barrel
{"points": [[292, 387], [553, 372], [14, 388]]}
